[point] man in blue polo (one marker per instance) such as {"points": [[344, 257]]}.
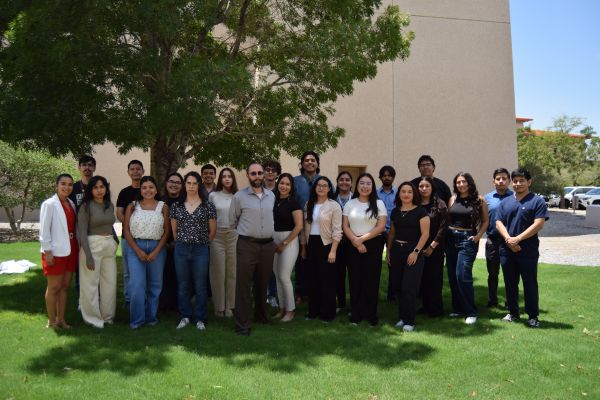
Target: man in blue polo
{"points": [[387, 193], [501, 178], [520, 218]]}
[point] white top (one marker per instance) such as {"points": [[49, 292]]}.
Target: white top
{"points": [[54, 232], [147, 224], [222, 202], [314, 227], [360, 221]]}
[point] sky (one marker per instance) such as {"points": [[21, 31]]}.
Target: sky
{"points": [[556, 59]]}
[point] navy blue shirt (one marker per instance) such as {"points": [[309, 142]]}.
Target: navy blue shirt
{"points": [[302, 187], [517, 216], [493, 200]]}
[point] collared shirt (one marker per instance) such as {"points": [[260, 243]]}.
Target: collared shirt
{"points": [[341, 201], [302, 186], [517, 216], [388, 199], [493, 200], [252, 215]]}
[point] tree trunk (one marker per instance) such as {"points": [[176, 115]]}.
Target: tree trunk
{"points": [[11, 220], [166, 156]]}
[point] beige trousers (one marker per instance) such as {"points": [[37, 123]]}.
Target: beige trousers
{"points": [[283, 264], [98, 287], [222, 269]]}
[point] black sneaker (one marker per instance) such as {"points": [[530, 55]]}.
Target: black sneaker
{"points": [[533, 323]]}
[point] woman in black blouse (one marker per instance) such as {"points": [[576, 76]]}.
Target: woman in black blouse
{"points": [[288, 217], [433, 270], [409, 231], [194, 224]]}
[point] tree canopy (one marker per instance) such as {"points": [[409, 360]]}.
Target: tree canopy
{"points": [[213, 80]]}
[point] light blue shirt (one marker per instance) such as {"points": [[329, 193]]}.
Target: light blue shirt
{"points": [[388, 199], [493, 200]]}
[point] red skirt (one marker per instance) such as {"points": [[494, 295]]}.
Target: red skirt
{"points": [[63, 264]]}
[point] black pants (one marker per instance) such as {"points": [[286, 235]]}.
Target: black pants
{"points": [[432, 283], [406, 280], [341, 263], [492, 259], [168, 296], [515, 267], [321, 280], [364, 272], [301, 277]]}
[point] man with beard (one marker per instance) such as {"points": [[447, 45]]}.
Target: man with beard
{"points": [[251, 214]]}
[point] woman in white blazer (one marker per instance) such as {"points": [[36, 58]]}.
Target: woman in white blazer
{"points": [[60, 249]]}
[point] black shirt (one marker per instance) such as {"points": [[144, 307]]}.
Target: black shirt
{"points": [[461, 213], [441, 189], [127, 196], [407, 223], [282, 214], [76, 195]]}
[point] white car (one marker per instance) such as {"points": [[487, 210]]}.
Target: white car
{"points": [[591, 197], [578, 191]]}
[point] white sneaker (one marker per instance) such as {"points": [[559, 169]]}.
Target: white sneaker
{"points": [[200, 326], [408, 328], [470, 320], [399, 324], [183, 323]]}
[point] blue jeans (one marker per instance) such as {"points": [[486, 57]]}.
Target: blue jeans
{"points": [[145, 284], [124, 252], [460, 255], [191, 266]]}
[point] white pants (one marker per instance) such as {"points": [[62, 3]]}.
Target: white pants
{"points": [[283, 264], [98, 287], [222, 269]]}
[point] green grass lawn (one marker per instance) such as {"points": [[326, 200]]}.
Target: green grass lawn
{"points": [[442, 359]]}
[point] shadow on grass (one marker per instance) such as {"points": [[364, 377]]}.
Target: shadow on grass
{"points": [[284, 348]]}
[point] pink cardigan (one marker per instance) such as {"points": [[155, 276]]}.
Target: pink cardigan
{"points": [[330, 223]]}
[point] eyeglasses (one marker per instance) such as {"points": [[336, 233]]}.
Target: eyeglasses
{"points": [[174, 182], [322, 186], [255, 173]]}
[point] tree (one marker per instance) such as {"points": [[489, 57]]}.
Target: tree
{"points": [[26, 179], [222, 80], [558, 159]]}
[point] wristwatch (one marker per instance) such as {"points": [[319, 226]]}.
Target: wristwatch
{"points": [[416, 251]]}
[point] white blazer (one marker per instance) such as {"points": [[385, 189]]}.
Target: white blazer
{"points": [[54, 232]]}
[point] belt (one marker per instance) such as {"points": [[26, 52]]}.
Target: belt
{"points": [[256, 240], [460, 229]]}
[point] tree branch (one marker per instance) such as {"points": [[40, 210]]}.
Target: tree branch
{"points": [[242, 21]]}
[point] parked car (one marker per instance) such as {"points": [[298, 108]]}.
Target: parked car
{"points": [[552, 199], [571, 191], [591, 197]]}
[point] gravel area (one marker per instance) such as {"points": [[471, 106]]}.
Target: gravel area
{"points": [[564, 239]]}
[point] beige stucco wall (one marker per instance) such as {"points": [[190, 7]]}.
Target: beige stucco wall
{"points": [[453, 99]]}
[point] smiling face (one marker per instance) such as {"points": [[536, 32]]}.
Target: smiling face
{"points": [[98, 192], [462, 186], [284, 187], [521, 185], [425, 190], [148, 190], [364, 186], [322, 189], [64, 187], [310, 165], [208, 176], [174, 186], [344, 183]]}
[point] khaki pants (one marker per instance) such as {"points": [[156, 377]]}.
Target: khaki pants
{"points": [[222, 269], [98, 294]]}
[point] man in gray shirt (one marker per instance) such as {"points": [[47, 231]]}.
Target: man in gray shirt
{"points": [[251, 214]]}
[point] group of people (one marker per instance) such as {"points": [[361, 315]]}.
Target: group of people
{"points": [[200, 239]]}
